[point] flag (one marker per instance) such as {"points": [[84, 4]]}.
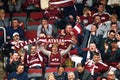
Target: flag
{"points": [[77, 29]]}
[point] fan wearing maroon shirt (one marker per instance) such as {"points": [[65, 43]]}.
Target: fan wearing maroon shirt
{"points": [[104, 15], [34, 59], [55, 56]]}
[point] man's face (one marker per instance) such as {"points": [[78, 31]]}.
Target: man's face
{"points": [[96, 58], [97, 19], [15, 23], [92, 47], [71, 76], [111, 35], [80, 69], [20, 69], [15, 57], [16, 38], [100, 8], [111, 76], [33, 49], [68, 29]]}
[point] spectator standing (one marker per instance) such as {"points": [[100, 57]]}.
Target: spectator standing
{"points": [[55, 56], [34, 59], [96, 66]]}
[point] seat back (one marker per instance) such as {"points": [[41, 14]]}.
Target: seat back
{"points": [[34, 73], [33, 25], [31, 34], [36, 16]]}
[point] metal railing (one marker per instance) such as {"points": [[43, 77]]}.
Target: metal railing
{"points": [[4, 30]]}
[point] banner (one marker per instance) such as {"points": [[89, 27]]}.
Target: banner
{"points": [[41, 40]]}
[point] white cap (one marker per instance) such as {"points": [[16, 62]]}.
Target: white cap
{"points": [[15, 33]]}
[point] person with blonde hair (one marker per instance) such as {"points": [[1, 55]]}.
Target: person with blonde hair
{"points": [[51, 76], [4, 21]]}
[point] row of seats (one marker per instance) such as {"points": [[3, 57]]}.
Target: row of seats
{"points": [[39, 72], [30, 26]]}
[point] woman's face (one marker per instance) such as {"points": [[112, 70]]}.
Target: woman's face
{"points": [[51, 77], [54, 49], [44, 22]]}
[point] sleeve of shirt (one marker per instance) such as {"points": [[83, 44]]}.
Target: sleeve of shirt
{"points": [[63, 52], [39, 30], [49, 30]]}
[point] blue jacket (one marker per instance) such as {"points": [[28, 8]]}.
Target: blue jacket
{"points": [[14, 75]]}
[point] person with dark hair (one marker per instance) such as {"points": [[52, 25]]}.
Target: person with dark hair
{"points": [[19, 74], [34, 59], [61, 74], [81, 73], [95, 66], [102, 13], [12, 62], [45, 28], [15, 27]]}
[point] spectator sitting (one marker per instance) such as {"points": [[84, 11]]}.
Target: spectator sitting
{"points": [[16, 43], [13, 62], [81, 73], [111, 75], [51, 76], [45, 28], [19, 74], [4, 22], [3, 5], [113, 19], [14, 5], [15, 27], [71, 76], [61, 74]]}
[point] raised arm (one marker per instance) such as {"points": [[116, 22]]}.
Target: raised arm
{"points": [[63, 52], [44, 51]]}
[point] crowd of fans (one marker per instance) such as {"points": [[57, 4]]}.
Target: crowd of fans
{"points": [[84, 36]]}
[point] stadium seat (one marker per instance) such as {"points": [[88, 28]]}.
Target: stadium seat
{"points": [[31, 34], [34, 73], [33, 25], [21, 16], [36, 16], [70, 69], [49, 70]]}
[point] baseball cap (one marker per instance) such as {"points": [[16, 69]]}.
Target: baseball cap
{"points": [[16, 33]]}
